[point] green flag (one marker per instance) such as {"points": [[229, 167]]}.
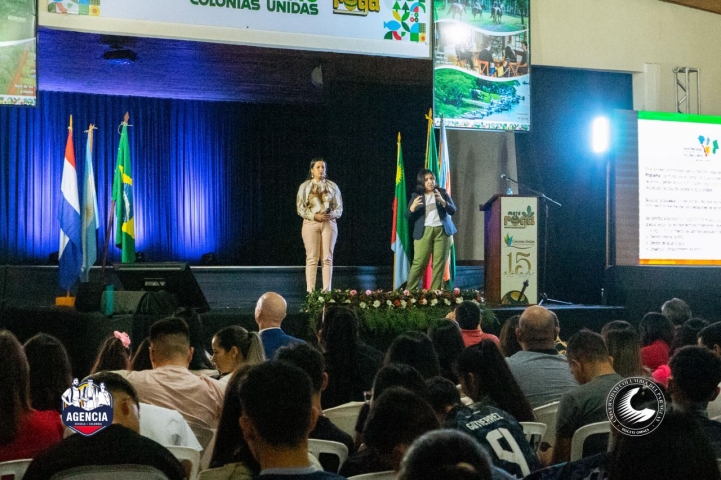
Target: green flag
{"points": [[123, 197], [400, 240]]}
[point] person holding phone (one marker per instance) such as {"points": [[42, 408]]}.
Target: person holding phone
{"points": [[319, 203], [429, 212]]}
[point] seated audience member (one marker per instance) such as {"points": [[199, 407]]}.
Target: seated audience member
{"points": [[201, 358], [624, 347], [710, 337], [269, 314], [687, 334], [488, 425], [677, 311], [448, 343], [311, 362], [118, 444], [445, 454], [231, 458], [414, 349], [277, 416], [508, 340], [50, 371], [234, 346], [170, 384], [487, 380], [695, 376], [351, 364], [393, 375], [24, 431], [656, 337], [141, 358], [677, 449], [592, 367], [113, 354], [540, 371], [443, 397], [615, 325], [397, 417], [468, 316]]}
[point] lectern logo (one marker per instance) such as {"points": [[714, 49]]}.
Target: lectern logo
{"points": [[635, 406], [87, 408]]}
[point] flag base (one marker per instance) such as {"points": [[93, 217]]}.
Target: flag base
{"points": [[65, 302]]}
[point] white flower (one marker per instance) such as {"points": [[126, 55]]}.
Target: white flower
{"points": [[321, 299], [377, 303], [404, 303], [389, 303], [446, 301], [459, 299], [434, 302], [331, 301], [413, 300], [423, 301], [363, 304], [347, 300]]}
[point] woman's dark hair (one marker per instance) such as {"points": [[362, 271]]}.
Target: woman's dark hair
{"points": [[200, 360], [445, 454], [677, 448], [141, 359], [508, 339], [400, 375], [448, 342], [655, 326], [230, 445], [50, 371], [414, 349], [615, 325], [15, 392], [338, 338], [248, 343], [112, 355], [510, 54], [687, 334], [421, 180], [312, 164], [494, 379], [624, 347]]}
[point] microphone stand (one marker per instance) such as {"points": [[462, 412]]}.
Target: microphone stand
{"points": [[546, 201]]}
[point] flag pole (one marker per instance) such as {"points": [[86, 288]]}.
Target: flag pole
{"points": [[429, 117], [111, 218]]}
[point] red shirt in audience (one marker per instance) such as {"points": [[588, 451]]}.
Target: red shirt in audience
{"points": [[472, 337], [38, 430], [655, 355]]}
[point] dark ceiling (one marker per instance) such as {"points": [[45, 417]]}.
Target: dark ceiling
{"points": [[73, 62]]}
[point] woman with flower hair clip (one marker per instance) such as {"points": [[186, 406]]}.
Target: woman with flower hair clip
{"points": [[114, 354]]}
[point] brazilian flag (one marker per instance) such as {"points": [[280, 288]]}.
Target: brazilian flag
{"points": [[123, 197]]}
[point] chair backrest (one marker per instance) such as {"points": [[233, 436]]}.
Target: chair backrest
{"points": [[547, 414], [389, 475], [344, 416], [582, 434], [111, 472], [15, 469], [316, 447], [534, 433], [187, 454]]}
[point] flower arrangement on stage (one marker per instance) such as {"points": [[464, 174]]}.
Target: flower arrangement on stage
{"points": [[394, 311]]}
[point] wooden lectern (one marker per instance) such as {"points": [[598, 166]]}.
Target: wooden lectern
{"points": [[511, 250]]}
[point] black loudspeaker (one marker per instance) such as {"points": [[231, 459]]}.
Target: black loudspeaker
{"points": [[174, 278], [87, 299]]}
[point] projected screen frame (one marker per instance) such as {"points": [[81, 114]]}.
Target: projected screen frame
{"points": [[625, 192], [18, 53]]}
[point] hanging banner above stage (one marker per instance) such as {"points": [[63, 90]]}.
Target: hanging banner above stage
{"points": [[18, 82], [481, 64], [376, 27]]}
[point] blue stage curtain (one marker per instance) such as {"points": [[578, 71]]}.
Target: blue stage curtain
{"points": [[184, 168]]}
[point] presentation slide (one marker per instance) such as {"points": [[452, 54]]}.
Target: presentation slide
{"points": [[677, 178]]}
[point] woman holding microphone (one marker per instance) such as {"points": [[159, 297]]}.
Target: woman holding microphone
{"points": [[429, 212], [320, 204]]}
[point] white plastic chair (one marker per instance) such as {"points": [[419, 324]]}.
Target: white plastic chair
{"points": [[316, 447], [111, 472], [187, 454], [344, 416], [579, 438], [534, 433], [547, 414], [389, 475], [16, 468]]}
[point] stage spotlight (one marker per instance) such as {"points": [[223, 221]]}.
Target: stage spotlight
{"points": [[600, 134]]}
